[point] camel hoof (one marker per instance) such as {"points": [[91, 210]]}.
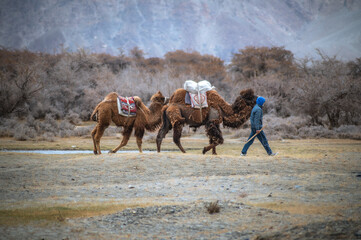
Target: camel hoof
{"points": [[111, 151], [204, 150]]}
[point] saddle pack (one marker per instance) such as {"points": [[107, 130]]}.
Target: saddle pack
{"points": [[197, 93], [126, 106]]}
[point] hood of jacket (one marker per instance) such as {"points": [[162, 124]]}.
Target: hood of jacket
{"points": [[260, 101]]}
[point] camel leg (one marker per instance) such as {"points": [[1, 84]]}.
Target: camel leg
{"points": [[97, 134], [95, 150], [209, 147], [177, 121], [177, 134], [139, 133], [214, 152], [215, 137], [126, 135], [163, 131]]}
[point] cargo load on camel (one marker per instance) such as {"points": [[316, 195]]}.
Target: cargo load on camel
{"points": [[196, 93]]}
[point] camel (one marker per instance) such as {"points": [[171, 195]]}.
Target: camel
{"points": [[177, 113], [107, 111]]}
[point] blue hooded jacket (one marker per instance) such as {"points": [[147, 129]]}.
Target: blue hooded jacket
{"points": [[257, 114]]}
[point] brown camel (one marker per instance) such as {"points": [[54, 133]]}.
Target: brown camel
{"points": [[177, 113], [107, 111]]}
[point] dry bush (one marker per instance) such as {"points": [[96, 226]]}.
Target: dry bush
{"points": [[213, 207], [349, 131], [256, 61], [21, 79], [204, 66], [115, 63], [325, 88], [355, 68]]}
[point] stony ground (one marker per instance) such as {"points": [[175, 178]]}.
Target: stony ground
{"points": [[311, 190]]}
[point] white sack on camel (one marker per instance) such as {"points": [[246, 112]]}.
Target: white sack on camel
{"points": [[194, 87]]}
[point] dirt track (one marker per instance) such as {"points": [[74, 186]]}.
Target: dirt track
{"points": [[164, 196]]}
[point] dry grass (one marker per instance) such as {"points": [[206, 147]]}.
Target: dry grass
{"points": [[306, 148], [59, 213], [303, 208], [324, 151]]}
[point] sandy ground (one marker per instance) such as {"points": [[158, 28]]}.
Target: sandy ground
{"points": [[311, 190]]}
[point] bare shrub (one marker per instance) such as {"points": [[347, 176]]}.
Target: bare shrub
{"points": [[205, 66], [349, 131], [21, 79], [81, 131], [256, 61], [316, 132], [73, 118], [240, 133], [324, 88], [7, 127], [66, 129], [213, 207], [47, 136], [283, 128], [22, 132]]}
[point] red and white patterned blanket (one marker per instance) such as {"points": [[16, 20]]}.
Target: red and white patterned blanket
{"points": [[126, 106]]}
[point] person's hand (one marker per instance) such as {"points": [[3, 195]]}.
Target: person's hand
{"points": [[258, 131]]}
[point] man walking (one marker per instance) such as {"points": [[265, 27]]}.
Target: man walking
{"points": [[256, 128]]}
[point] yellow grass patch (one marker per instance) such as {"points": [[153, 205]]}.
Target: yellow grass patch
{"points": [[58, 213], [302, 208]]}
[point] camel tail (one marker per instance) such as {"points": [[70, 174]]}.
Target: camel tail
{"points": [[164, 121], [94, 115]]}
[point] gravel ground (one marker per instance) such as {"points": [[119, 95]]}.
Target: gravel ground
{"points": [[166, 195]]}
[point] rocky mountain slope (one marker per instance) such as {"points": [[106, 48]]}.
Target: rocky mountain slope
{"points": [[159, 26]]}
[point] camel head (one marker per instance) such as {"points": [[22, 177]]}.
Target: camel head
{"points": [[242, 108], [158, 98], [245, 99]]}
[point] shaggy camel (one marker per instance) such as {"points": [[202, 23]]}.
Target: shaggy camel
{"points": [[177, 113], [107, 111]]}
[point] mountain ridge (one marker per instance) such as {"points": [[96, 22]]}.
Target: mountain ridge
{"points": [[213, 27]]}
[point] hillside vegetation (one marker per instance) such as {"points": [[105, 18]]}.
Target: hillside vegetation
{"points": [[48, 95]]}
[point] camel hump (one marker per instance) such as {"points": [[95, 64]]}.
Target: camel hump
{"points": [[111, 97], [138, 101], [178, 96], [140, 105]]}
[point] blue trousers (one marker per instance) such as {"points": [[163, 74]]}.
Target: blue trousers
{"points": [[261, 137]]}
